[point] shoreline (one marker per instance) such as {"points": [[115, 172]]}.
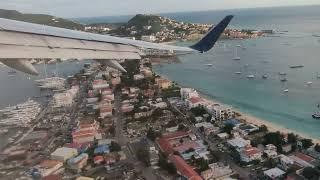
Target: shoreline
{"points": [[272, 127]]}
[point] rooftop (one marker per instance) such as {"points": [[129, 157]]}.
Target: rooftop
{"points": [[274, 173], [184, 168]]}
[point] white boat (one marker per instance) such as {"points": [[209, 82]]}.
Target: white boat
{"points": [[238, 72], [250, 76], [309, 83], [236, 57], [286, 90], [209, 65], [282, 73]]}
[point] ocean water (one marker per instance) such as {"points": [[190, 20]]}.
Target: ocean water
{"points": [[263, 98]]}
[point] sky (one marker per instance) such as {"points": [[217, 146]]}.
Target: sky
{"points": [[93, 8]]}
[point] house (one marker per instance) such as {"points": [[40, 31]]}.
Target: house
{"points": [[98, 159], [187, 93], [184, 169], [77, 163], [64, 153], [274, 174], [194, 102], [285, 162], [238, 143], [249, 154], [302, 160], [137, 77], [163, 83], [223, 135], [271, 151], [216, 171], [287, 148], [48, 167], [102, 149]]}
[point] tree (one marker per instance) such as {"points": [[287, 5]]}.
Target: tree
{"points": [[152, 135], [263, 128], [167, 166], [292, 138], [182, 127], [310, 173], [143, 155], [228, 128], [274, 138], [306, 143], [317, 147], [198, 111], [115, 146]]}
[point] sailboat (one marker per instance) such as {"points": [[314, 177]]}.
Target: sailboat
{"points": [[236, 57]]}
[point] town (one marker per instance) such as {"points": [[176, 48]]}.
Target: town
{"points": [[138, 125], [160, 29]]}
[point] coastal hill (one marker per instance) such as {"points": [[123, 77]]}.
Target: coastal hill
{"points": [[40, 19], [162, 28]]}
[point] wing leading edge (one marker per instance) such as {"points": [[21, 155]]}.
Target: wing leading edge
{"points": [[20, 41]]}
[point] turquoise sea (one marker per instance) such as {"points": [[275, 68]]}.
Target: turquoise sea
{"points": [[296, 44]]}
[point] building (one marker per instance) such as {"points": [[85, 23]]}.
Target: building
{"points": [[105, 112], [102, 149], [184, 169], [137, 77], [221, 112], [84, 136], [194, 102], [48, 167], [170, 140], [238, 143], [163, 83], [64, 153], [271, 151], [274, 174], [77, 163], [285, 162], [149, 38], [216, 171], [187, 93], [249, 154]]}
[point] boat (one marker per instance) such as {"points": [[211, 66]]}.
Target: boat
{"points": [[283, 79], [236, 57], [296, 66], [209, 65], [282, 73], [316, 115], [238, 72], [250, 76], [309, 83], [264, 76], [286, 90]]}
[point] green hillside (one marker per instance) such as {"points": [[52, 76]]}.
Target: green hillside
{"points": [[40, 19]]}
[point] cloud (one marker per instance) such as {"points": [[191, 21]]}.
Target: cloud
{"points": [[87, 8]]}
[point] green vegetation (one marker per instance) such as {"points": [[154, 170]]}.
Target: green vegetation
{"points": [[163, 163], [40, 19], [310, 173], [306, 143], [198, 111], [143, 155], [115, 146], [317, 147], [152, 135], [275, 138], [173, 91], [228, 128]]}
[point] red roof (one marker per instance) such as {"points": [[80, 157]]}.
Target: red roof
{"points": [[176, 135], [84, 133], [98, 159], [165, 146], [304, 157], [187, 146], [183, 168], [194, 100], [104, 110], [251, 151]]}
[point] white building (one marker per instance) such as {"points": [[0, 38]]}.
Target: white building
{"points": [[249, 154], [274, 173], [148, 38], [187, 93], [221, 112], [64, 153], [285, 162], [271, 151], [238, 143], [216, 172]]}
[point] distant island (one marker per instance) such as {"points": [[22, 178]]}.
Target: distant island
{"points": [[154, 28]]}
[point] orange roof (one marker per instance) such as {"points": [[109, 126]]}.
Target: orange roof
{"points": [[183, 168], [49, 163], [165, 146], [304, 157], [186, 146], [84, 133]]}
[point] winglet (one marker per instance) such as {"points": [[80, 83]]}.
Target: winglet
{"points": [[208, 41]]}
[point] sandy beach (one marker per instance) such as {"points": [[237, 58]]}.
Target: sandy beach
{"points": [[258, 121]]}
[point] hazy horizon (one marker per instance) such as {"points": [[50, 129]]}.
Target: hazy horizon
{"points": [[100, 8]]}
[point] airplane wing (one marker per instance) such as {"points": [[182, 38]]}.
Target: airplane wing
{"points": [[22, 41]]}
